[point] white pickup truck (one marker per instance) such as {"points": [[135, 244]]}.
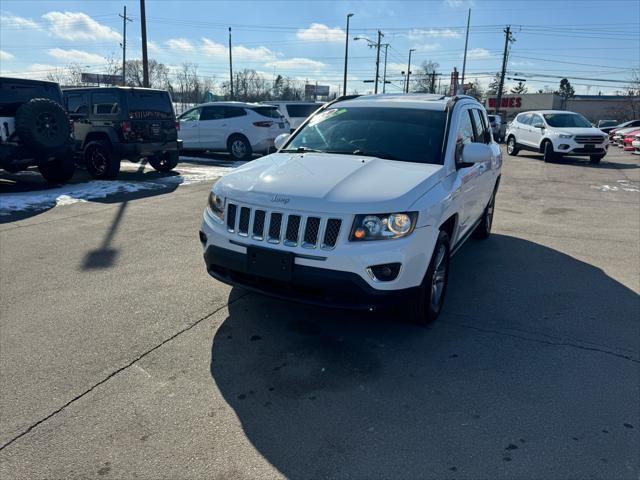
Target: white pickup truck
{"points": [[362, 207]]}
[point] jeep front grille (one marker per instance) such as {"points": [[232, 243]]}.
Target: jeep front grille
{"points": [[589, 138], [290, 230]]}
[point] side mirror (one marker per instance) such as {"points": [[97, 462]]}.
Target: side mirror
{"points": [[281, 140], [473, 153], [538, 125]]}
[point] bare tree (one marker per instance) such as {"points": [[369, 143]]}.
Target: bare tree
{"points": [[424, 80]]}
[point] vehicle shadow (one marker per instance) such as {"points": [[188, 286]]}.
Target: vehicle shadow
{"points": [[583, 162], [522, 365]]}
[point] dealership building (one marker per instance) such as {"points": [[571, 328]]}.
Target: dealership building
{"points": [[593, 107]]}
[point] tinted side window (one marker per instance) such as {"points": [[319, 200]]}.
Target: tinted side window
{"points": [[77, 103], [301, 110], [191, 115], [482, 135], [107, 103], [231, 112], [271, 112], [465, 133], [212, 113], [525, 119]]}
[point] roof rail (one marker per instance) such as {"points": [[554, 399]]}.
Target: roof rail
{"points": [[455, 98]]}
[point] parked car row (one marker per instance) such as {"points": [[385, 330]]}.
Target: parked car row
{"points": [[628, 137]]}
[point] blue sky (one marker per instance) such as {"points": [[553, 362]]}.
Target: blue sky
{"points": [[585, 39]]}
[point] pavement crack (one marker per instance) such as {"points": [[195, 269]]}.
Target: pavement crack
{"points": [[546, 342], [119, 370]]}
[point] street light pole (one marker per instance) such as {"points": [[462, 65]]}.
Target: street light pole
{"points": [[346, 55], [409, 70]]}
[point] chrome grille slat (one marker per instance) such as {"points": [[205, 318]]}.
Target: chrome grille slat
{"points": [[589, 138], [275, 227], [243, 222], [331, 233], [231, 217], [258, 224], [311, 230], [292, 231]]}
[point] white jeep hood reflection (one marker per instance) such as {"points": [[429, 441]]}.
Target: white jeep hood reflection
{"points": [[321, 182]]}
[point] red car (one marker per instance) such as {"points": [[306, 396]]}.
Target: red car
{"points": [[628, 138]]}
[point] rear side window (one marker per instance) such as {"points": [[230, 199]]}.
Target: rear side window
{"points": [[149, 104], [15, 93], [107, 103], [232, 112], [301, 110], [212, 113], [77, 103], [271, 112], [191, 115]]}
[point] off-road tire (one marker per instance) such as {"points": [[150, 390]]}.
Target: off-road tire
{"points": [[42, 125], [424, 308], [100, 161], [58, 170], [512, 146], [164, 162], [239, 147]]}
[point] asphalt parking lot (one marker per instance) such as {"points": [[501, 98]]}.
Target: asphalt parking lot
{"points": [[121, 358]]}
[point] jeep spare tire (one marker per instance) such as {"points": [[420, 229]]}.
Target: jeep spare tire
{"points": [[42, 125]]}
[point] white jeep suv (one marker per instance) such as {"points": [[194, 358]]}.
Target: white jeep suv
{"points": [[362, 207], [555, 133]]}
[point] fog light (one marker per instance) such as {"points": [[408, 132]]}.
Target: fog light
{"points": [[563, 146], [203, 237], [385, 272]]}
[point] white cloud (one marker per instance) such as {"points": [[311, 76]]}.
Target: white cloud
{"points": [[181, 44], [297, 63], [76, 56], [79, 26], [427, 47], [16, 21], [460, 3], [152, 46], [240, 52], [320, 32], [6, 55], [524, 63], [418, 33], [478, 54]]}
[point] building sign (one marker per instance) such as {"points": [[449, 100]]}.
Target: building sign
{"points": [[311, 90], [101, 78], [505, 102]]}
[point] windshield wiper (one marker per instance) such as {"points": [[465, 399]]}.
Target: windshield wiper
{"points": [[382, 155], [303, 150]]}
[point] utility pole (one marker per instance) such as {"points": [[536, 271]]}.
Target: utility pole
{"points": [[315, 92], [125, 19], [406, 89], [145, 60], [384, 75], [346, 54], [380, 35], [466, 42], [230, 66], [507, 38]]}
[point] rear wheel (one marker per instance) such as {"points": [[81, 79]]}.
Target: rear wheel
{"points": [[512, 146], [549, 154], [59, 170], [427, 304], [164, 162], [595, 159], [239, 147], [100, 160]]}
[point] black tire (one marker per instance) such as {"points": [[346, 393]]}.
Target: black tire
{"points": [[483, 230], [512, 146], [595, 159], [100, 161], [424, 308], [58, 170], [164, 162], [239, 147], [549, 154], [42, 125]]}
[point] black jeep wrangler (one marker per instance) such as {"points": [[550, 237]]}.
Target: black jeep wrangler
{"points": [[35, 129], [115, 123]]}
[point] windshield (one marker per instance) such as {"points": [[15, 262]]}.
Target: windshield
{"points": [[146, 104], [405, 134], [566, 120]]}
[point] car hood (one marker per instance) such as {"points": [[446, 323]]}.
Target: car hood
{"points": [[578, 131], [329, 183]]}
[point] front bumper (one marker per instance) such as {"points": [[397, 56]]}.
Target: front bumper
{"points": [[568, 146], [317, 286]]}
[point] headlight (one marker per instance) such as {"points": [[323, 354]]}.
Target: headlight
{"points": [[564, 135], [216, 205], [383, 226]]}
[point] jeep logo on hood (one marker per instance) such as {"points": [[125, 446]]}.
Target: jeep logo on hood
{"points": [[280, 199]]}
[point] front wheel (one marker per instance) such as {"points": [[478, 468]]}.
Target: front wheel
{"points": [[512, 147], [549, 154], [428, 302], [59, 170], [164, 162], [595, 159]]}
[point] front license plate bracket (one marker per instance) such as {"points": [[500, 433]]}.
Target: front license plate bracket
{"points": [[269, 263]]}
